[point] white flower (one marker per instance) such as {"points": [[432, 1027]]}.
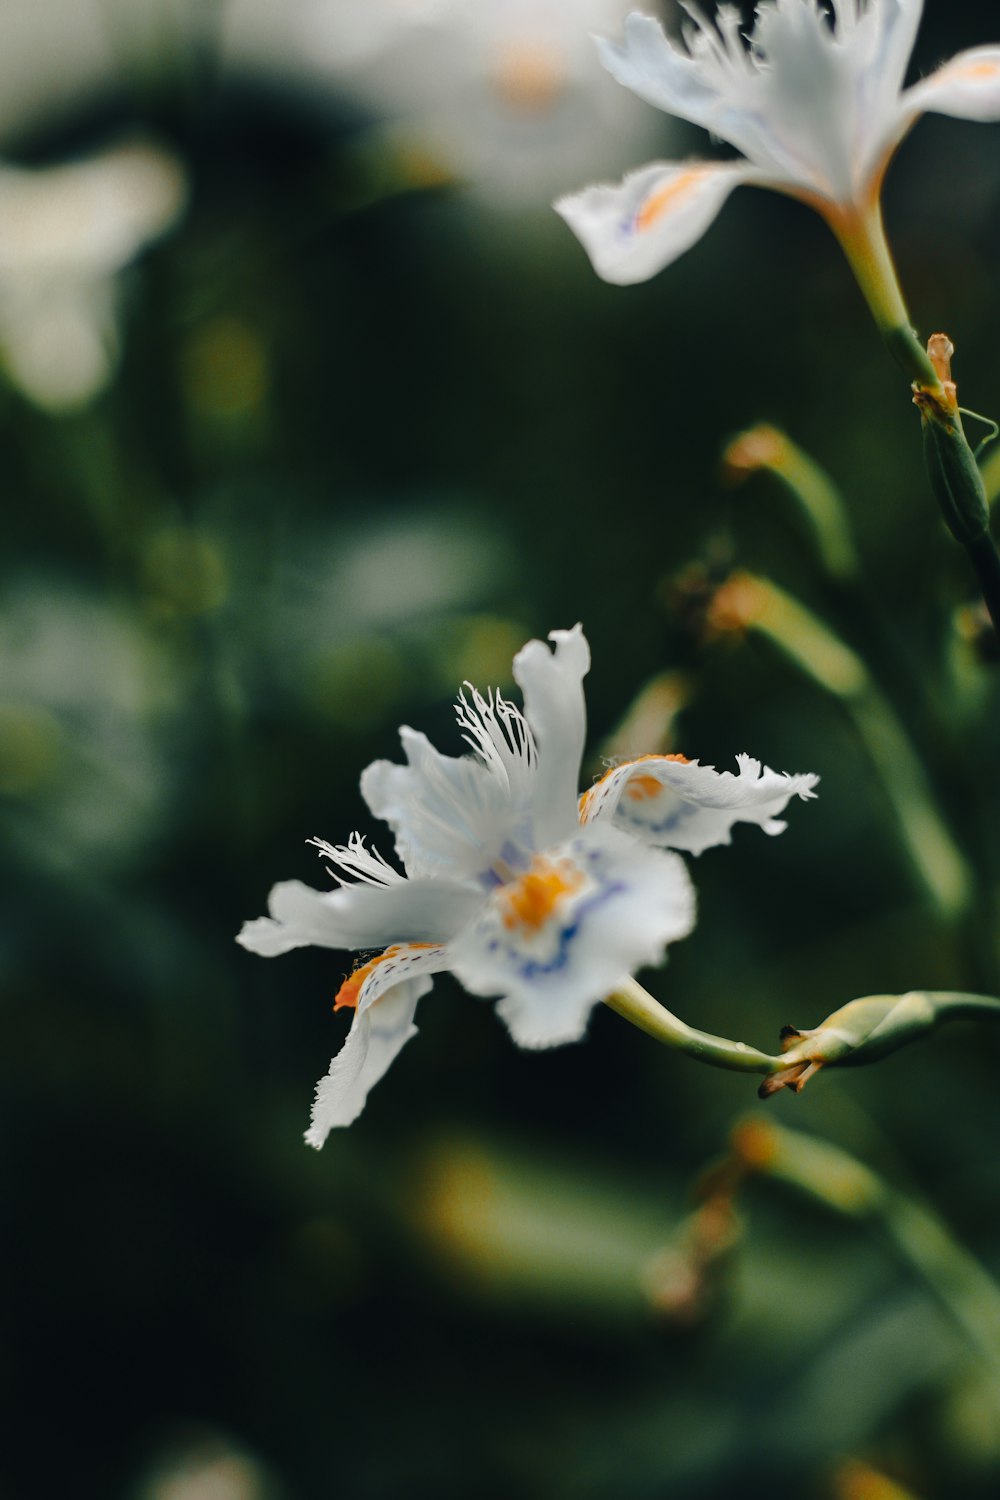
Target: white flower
{"points": [[65, 234], [814, 101], [507, 97], [518, 886]]}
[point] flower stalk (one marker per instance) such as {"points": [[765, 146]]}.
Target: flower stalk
{"points": [[862, 1031], [955, 475], [637, 1005], [919, 1237], [765, 447], [861, 234], [747, 602]]}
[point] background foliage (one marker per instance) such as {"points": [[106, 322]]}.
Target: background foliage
{"points": [[370, 433]]}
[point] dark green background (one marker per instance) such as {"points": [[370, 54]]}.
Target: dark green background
{"points": [[355, 454]]}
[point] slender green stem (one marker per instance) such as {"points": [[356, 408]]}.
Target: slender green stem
{"points": [[813, 647], [861, 1031], [765, 447], [956, 478], [952, 467], [918, 1235], [862, 237], [638, 1006]]}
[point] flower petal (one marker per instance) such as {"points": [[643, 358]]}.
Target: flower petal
{"points": [[680, 804], [968, 87], [449, 813], [649, 64], [378, 1033], [589, 912], [633, 229], [552, 684], [358, 916], [782, 117]]}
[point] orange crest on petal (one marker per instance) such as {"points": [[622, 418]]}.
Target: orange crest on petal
{"points": [[350, 991]]}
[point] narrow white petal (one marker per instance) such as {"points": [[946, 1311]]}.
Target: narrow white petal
{"points": [[634, 228], [375, 1040], [649, 64], [358, 916], [387, 990], [680, 804], [590, 911], [896, 23], [967, 87], [552, 684]]}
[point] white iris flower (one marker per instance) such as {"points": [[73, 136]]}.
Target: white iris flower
{"points": [[518, 886], [813, 98]]}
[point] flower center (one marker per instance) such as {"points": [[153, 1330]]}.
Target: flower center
{"points": [[528, 902]]}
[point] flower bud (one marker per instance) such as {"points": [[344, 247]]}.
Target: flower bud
{"points": [[951, 464]]}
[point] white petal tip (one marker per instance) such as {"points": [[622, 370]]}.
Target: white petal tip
{"points": [[635, 228]]}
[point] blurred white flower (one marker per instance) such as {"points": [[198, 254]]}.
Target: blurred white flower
{"points": [[508, 96], [814, 100], [514, 883], [65, 234], [86, 770]]}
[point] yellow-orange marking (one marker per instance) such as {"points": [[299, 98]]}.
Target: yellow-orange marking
{"points": [[350, 991], [976, 70], [644, 785], [668, 197], [640, 788], [531, 900]]}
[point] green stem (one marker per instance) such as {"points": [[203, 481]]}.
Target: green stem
{"points": [[638, 1006], [956, 479], [862, 1031], [766, 447], [808, 642], [954, 473], [920, 1238], [862, 237]]}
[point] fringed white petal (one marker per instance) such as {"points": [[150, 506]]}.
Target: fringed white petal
{"points": [[967, 87], [811, 97], [649, 64], [679, 804], [634, 228], [450, 814], [374, 1041], [590, 911], [358, 916], [386, 999], [357, 862]]}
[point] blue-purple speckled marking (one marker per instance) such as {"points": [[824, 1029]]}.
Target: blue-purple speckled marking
{"points": [[665, 825], [531, 968]]}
